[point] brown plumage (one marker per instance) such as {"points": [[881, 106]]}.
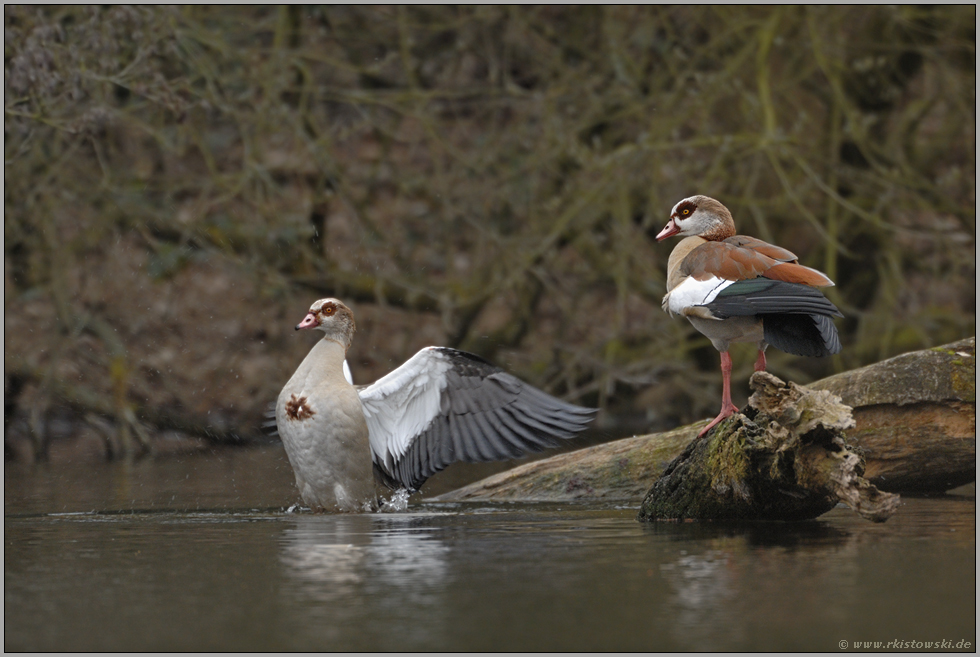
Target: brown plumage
{"points": [[735, 288], [739, 258]]}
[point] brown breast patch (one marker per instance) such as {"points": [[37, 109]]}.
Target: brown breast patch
{"points": [[297, 408]]}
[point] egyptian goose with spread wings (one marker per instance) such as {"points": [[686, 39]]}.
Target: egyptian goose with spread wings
{"points": [[735, 288], [439, 407]]}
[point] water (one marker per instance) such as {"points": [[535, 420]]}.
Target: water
{"points": [[199, 553]]}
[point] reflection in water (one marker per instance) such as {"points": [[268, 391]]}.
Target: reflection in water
{"points": [[330, 554], [328, 572], [325, 557], [409, 562], [345, 566], [704, 596], [724, 593], [463, 577]]}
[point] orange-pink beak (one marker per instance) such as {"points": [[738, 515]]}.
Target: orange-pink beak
{"points": [[309, 321], [670, 229]]}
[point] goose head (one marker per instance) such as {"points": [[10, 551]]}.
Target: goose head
{"points": [[699, 215], [333, 318]]}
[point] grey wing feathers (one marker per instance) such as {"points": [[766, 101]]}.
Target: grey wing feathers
{"points": [[486, 414], [269, 426]]}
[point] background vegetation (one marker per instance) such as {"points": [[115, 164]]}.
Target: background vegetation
{"points": [[181, 183]]}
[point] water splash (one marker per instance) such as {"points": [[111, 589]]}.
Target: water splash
{"points": [[398, 502]]}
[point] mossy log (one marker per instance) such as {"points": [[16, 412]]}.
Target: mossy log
{"points": [[915, 417], [916, 434], [784, 458], [619, 470]]}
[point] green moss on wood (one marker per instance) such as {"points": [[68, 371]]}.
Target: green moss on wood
{"points": [[785, 459]]}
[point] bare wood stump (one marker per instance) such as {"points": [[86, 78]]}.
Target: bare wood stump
{"points": [[785, 458]]}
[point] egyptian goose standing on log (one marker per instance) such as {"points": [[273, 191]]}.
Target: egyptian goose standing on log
{"points": [[439, 407], [735, 288]]}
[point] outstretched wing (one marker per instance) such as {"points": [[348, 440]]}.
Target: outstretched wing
{"points": [[444, 405]]}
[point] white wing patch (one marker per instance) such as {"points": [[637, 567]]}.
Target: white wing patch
{"points": [[693, 293], [347, 375], [401, 405]]}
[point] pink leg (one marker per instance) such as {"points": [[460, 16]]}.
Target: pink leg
{"points": [[760, 362], [727, 407]]}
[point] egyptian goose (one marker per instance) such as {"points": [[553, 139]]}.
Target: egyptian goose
{"points": [[439, 407], [735, 288]]}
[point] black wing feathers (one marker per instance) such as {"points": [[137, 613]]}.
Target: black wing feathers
{"points": [[760, 296], [803, 335], [486, 415], [795, 318]]}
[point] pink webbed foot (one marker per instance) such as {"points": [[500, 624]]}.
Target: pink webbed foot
{"points": [[760, 362], [726, 412]]}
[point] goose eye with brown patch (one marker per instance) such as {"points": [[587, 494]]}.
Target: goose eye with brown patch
{"points": [[328, 310]]}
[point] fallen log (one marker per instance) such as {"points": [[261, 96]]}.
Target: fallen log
{"points": [[614, 471], [784, 458], [915, 416], [901, 452]]}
